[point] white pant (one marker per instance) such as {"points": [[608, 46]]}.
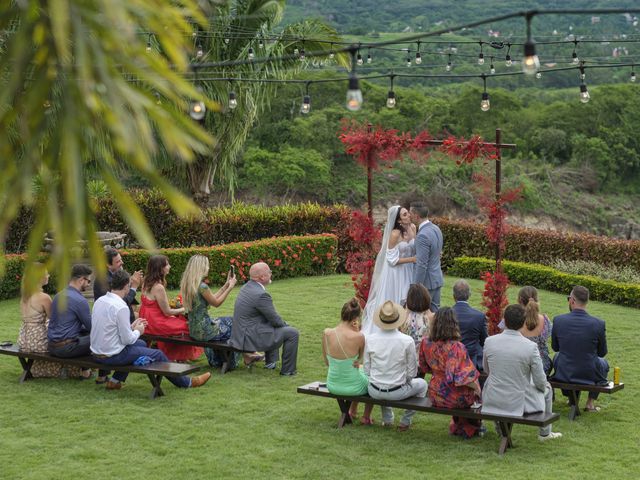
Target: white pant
{"points": [[417, 388]]}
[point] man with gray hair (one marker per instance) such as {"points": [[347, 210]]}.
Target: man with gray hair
{"points": [[429, 242], [472, 322]]}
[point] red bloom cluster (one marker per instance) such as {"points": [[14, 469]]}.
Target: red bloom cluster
{"points": [[466, 151], [494, 297]]}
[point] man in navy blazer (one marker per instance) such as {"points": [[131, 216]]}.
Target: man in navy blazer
{"points": [[581, 342], [472, 322], [429, 241]]}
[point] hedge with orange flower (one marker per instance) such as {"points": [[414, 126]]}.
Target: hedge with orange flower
{"points": [[292, 256]]}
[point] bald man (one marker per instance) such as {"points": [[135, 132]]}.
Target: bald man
{"points": [[258, 327]]}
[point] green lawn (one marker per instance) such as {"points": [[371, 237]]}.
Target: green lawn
{"points": [[254, 425]]}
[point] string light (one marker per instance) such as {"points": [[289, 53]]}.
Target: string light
{"points": [[481, 56], [449, 66], [408, 57], [584, 93], [632, 78], [485, 105], [354, 95], [302, 55], [332, 54], [233, 101], [359, 58], [574, 56], [369, 59], [260, 43], [250, 54], [582, 74], [199, 52], [418, 56], [530, 62], [149, 44], [507, 60], [492, 68], [197, 109], [538, 75], [391, 96]]}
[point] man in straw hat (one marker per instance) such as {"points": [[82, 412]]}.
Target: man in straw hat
{"points": [[390, 363]]}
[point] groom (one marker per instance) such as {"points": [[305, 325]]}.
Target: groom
{"points": [[429, 242]]}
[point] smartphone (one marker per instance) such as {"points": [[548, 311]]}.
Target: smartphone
{"points": [[232, 271], [6, 343]]}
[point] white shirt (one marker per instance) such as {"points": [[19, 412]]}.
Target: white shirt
{"points": [[423, 224], [390, 358], [110, 327]]}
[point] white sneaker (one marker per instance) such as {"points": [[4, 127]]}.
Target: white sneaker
{"points": [[551, 436]]}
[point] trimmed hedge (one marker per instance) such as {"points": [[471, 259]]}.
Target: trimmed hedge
{"points": [[547, 278], [292, 256], [466, 238]]}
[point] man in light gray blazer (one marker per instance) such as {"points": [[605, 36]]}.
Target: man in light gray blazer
{"points": [[258, 327], [429, 241], [516, 383]]}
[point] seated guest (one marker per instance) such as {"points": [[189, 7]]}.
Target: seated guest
{"points": [[35, 307], [258, 326], [516, 382], [115, 341], [581, 342], [197, 298], [161, 318], [472, 322], [101, 285], [70, 322], [419, 317], [390, 363], [454, 380], [537, 327], [343, 350]]}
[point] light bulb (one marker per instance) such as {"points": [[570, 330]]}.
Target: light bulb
{"points": [[418, 58], [302, 55], [508, 61], [492, 69], [359, 59], [194, 34], [584, 94], [306, 105], [354, 95], [296, 51], [574, 58], [46, 104], [530, 62], [250, 54], [538, 75], [199, 52], [448, 67], [233, 101], [481, 59], [485, 105], [148, 47], [391, 99], [226, 40], [332, 54], [260, 44], [632, 78], [197, 110], [582, 75], [158, 98], [369, 59], [408, 61]]}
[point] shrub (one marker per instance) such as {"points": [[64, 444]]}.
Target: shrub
{"points": [[541, 276], [624, 274], [287, 257]]}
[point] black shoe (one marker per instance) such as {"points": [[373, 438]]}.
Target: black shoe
{"points": [[288, 374], [270, 366]]}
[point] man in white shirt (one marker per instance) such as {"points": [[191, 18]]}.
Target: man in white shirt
{"points": [[115, 341], [391, 364]]}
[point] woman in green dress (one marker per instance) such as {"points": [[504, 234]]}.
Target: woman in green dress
{"points": [[343, 349]]}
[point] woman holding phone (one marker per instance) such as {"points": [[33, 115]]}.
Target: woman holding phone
{"points": [[197, 297]]}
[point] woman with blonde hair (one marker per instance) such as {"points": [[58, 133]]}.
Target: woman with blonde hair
{"points": [[537, 326], [196, 299], [161, 318]]}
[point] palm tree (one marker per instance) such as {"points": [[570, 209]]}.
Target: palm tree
{"points": [[238, 29], [77, 84]]}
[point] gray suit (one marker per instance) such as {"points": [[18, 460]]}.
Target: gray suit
{"points": [[516, 383], [258, 327], [427, 270]]}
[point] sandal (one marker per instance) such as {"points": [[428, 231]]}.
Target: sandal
{"points": [[253, 358], [593, 409], [366, 421]]}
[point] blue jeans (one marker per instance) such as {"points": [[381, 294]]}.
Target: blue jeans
{"points": [[130, 354], [215, 360]]}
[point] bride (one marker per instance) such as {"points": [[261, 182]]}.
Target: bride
{"points": [[393, 272]]}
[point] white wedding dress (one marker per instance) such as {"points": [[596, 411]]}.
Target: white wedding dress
{"points": [[391, 280]]}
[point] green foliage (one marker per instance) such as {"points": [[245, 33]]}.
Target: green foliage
{"points": [[293, 256], [623, 274], [547, 278]]}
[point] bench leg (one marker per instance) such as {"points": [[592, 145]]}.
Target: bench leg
{"points": [[574, 402], [228, 360], [505, 433], [345, 418], [26, 363], [157, 390]]}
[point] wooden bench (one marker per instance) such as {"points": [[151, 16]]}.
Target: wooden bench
{"points": [[155, 371], [226, 350], [505, 423], [574, 390]]}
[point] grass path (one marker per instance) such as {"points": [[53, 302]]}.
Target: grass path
{"points": [[254, 425]]}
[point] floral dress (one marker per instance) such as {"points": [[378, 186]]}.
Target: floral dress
{"points": [[203, 327], [543, 347], [417, 327], [453, 373]]}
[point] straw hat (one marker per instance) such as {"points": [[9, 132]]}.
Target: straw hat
{"points": [[389, 315]]}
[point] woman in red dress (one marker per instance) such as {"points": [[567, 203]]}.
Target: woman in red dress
{"points": [[454, 380], [161, 318]]}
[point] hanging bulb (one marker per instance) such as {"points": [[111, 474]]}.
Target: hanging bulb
{"points": [[226, 40], [359, 59], [584, 94], [492, 69], [306, 105], [538, 75], [369, 59], [46, 104], [250, 54], [574, 58], [448, 67], [418, 58], [260, 43], [582, 74], [485, 105], [197, 110], [408, 61], [391, 99], [354, 95], [302, 57], [530, 62], [632, 78], [194, 34], [158, 98], [296, 51], [507, 61], [149, 46], [199, 52], [332, 54], [481, 59], [233, 101]]}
